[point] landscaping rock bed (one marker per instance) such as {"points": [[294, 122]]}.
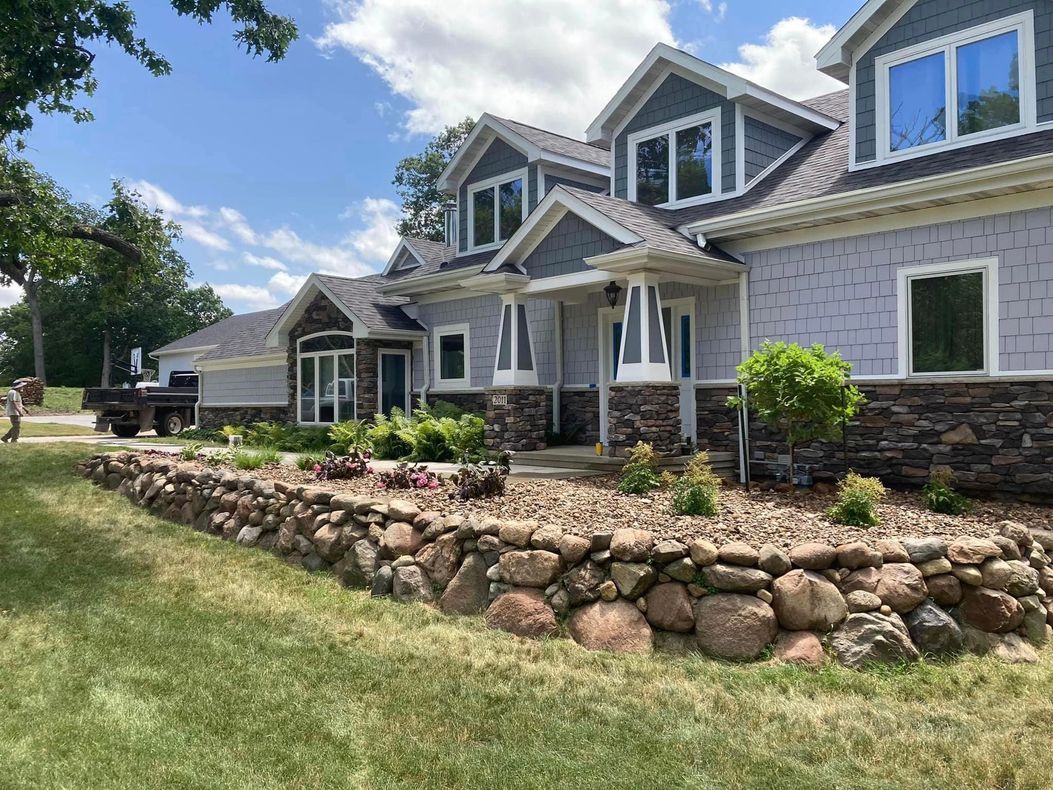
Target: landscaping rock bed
{"points": [[630, 590]]}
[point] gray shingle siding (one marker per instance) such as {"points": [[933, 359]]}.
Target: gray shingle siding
{"points": [[265, 386], [930, 19], [676, 98], [551, 182], [565, 247], [842, 293], [763, 144], [499, 158], [532, 190]]}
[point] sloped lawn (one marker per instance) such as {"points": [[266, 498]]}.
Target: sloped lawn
{"points": [[138, 653], [34, 429]]}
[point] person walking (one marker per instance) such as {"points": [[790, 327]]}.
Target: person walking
{"points": [[14, 411]]}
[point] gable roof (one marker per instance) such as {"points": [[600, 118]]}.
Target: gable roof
{"points": [[250, 339], [376, 310], [664, 59], [835, 58], [537, 145], [217, 333]]}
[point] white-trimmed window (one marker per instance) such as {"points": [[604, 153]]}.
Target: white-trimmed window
{"points": [[325, 378], [453, 356], [957, 90], [496, 209], [676, 164], [948, 318]]}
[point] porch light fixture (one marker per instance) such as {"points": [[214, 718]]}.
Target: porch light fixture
{"points": [[611, 292]]}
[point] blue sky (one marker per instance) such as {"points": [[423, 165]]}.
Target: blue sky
{"points": [[279, 169]]}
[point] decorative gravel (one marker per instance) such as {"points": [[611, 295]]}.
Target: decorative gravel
{"points": [[593, 504]]}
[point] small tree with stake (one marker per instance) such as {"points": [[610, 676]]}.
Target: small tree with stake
{"points": [[801, 392]]}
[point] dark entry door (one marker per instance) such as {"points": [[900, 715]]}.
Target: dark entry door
{"points": [[394, 381]]}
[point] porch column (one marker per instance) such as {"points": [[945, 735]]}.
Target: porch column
{"points": [[643, 353], [515, 349], [643, 402]]}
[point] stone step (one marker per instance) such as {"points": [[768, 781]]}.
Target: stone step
{"points": [[724, 464]]}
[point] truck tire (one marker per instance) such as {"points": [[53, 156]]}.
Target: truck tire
{"points": [[170, 424], [124, 430]]}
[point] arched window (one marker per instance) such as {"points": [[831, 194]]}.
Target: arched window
{"points": [[325, 378]]}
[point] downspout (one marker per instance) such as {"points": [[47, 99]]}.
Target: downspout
{"points": [[200, 395], [426, 361], [557, 386], [744, 352]]}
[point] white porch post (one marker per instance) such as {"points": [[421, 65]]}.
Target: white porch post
{"points": [[642, 356], [515, 348]]}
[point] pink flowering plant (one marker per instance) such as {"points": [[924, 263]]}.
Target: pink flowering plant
{"points": [[407, 475], [344, 467]]}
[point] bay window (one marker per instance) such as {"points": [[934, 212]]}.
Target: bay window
{"points": [[957, 89], [496, 209], [325, 378], [676, 164]]}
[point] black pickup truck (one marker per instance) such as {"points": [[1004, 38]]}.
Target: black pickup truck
{"points": [[125, 411]]}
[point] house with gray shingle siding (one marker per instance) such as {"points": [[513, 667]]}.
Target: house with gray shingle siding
{"points": [[903, 221]]}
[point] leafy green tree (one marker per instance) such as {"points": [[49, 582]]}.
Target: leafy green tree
{"points": [[46, 48], [803, 393], [416, 179]]}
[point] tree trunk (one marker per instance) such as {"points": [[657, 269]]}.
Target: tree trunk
{"points": [[105, 381], [32, 287]]}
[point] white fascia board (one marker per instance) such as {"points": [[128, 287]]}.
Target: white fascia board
{"points": [[235, 363], [292, 314], [430, 282], [187, 350], [558, 199], [498, 282], [836, 57], [1031, 172], [403, 245], [663, 262], [572, 163]]}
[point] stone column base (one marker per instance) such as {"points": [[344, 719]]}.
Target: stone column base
{"points": [[643, 413], [516, 418]]}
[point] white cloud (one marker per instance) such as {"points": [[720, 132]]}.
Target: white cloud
{"points": [[236, 223], [204, 236], [245, 297], [785, 62], [377, 238], [286, 283], [155, 197], [717, 10], [264, 262], [521, 60], [9, 294]]}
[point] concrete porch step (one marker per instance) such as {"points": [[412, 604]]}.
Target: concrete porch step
{"points": [[582, 457]]}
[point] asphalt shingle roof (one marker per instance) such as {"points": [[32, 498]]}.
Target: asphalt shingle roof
{"points": [[560, 144], [219, 332], [438, 258], [249, 341], [376, 310]]}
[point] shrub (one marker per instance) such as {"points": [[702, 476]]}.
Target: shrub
{"points": [[427, 437], [408, 476], [695, 494], [344, 467], [232, 430], [640, 473], [803, 393], [189, 451], [254, 459], [202, 435], [220, 457], [351, 435], [940, 496], [476, 481], [857, 498], [306, 462], [443, 408], [385, 435], [287, 438]]}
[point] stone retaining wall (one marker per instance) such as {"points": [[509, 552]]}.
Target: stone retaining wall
{"points": [[858, 604], [644, 413], [717, 424], [215, 417]]}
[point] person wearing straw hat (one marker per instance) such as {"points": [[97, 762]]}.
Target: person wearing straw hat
{"points": [[14, 411]]}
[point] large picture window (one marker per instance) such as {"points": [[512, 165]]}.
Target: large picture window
{"points": [[957, 89], [496, 210], [326, 378], [951, 318], [452, 356], [676, 163]]}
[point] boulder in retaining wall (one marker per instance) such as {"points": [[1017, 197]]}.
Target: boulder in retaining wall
{"points": [[733, 626], [616, 626]]}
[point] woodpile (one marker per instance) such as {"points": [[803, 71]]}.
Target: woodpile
{"points": [[33, 391]]}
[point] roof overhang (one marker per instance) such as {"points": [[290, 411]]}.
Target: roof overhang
{"points": [[231, 363], [404, 245], [486, 130], [279, 333], [836, 57], [664, 60], [496, 283], [675, 265], [1021, 175], [430, 283], [161, 352], [556, 205]]}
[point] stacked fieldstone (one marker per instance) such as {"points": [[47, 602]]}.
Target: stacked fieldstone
{"points": [[518, 420], [644, 413], [624, 591]]}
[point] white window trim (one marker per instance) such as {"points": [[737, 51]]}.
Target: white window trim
{"points": [[492, 184], [437, 333], [317, 384], [989, 268], [403, 352], [712, 117], [1023, 24]]}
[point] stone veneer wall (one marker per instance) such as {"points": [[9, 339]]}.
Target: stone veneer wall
{"points": [[580, 408], [996, 436], [644, 413], [522, 423], [717, 425], [886, 602], [320, 315], [214, 417], [367, 361]]}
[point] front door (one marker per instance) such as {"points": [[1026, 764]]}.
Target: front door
{"points": [[394, 384], [678, 317], [610, 347]]}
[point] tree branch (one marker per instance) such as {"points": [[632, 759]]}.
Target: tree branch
{"points": [[106, 239], [8, 199], [13, 269]]}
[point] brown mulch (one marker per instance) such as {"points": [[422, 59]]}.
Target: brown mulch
{"points": [[593, 504]]}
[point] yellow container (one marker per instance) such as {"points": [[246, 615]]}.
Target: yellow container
{"points": [[599, 448]]}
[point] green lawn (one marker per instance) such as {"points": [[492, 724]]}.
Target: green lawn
{"points": [[60, 400], [136, 653], [47, 429]]}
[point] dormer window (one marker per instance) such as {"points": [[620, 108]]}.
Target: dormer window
{"points": [[676, 164], [496, 209], [957, 90]]}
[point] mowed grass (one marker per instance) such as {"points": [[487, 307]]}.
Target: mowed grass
{"points": [[137, 653], [30, 429], [61, 400]]}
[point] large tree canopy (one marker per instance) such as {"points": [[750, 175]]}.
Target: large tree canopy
{"points": [[416, 178], [46, 48]]}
